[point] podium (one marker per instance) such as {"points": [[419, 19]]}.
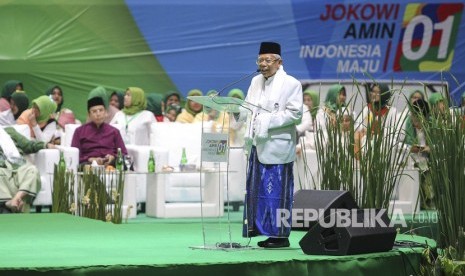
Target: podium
{"points": [[215, 153]]}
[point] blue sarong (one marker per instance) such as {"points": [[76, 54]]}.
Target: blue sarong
{"points": [[269, 189]]}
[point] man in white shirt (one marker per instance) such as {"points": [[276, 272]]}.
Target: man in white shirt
{"points": [[19, 179], [276, 100]]}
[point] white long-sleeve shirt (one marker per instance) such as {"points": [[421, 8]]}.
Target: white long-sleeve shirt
{"points": [[135, 128]]}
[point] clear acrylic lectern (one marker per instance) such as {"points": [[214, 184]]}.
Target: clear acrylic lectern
{"points": [[219, 233]]}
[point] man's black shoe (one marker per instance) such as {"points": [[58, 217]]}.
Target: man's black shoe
{"points": [[262, 243], [274, 243]]}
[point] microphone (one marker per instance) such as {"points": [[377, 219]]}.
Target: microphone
{"points": [[231, 84], [234, 82]]}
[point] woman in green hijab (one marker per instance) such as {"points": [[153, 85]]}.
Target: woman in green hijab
{"points": [[19, 102], [415, 95], [154, 105], [219, 119], [311, 101], [190, 109], [335, 100], [134, 118], [39, 118], [8, 89], [236, 93], [306, 129], [415, 138], [437, 103], [237, 130], [56, 93], [207, 114], [117, 99], [172, 98]]}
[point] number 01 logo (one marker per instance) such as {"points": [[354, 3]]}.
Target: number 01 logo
{"points": [[428, 36], [222, 147]]}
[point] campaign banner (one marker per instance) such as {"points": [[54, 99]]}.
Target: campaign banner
{"points": [[382, 40], [214, 147], [363, 40], [179, 45]]}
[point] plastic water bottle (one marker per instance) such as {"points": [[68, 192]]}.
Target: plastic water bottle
{"points": [[151, 163]]}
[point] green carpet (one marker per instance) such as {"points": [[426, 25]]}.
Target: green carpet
{"points": [[64, 244]]}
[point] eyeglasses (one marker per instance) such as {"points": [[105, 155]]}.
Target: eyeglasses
{"points": [[267, 61]]}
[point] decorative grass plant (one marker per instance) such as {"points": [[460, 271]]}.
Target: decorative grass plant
{"points": [[99, 194], [370, 171], [368, 167], [63, 197], [446, 137]]}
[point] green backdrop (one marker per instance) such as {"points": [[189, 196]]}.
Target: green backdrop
{"points": [[77, 45]]}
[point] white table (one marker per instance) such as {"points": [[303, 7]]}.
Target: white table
{"points": [[406, 193], [211, 206], [129, 204]]}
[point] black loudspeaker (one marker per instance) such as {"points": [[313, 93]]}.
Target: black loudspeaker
{"points": [[349, 232], [308, 203]]}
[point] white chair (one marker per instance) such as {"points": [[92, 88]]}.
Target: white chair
{"points": [[67, 136], [184, 188], [406, 193], [45, 160], [135, 149], [173, 137], [236, 178], [306, 174]]}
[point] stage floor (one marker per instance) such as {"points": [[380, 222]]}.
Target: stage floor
{"points": [[65, 244]]}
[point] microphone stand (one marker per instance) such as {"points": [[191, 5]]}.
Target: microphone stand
{"points": [[237, 81]]}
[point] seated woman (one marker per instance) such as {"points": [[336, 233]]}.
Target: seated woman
{"points": [[117, 99], [134, 118], [191, 109], [306, 129], [438, 104], [415, 137], [19, 102], [8, 89], [154, 105], [56, 94], [171, 99], [237, 130], [219, 119], [414, 95], [66, 117], [345, 122], [311, 101], [40, 119], [378, 119], [171, 114], [335, 101]]}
